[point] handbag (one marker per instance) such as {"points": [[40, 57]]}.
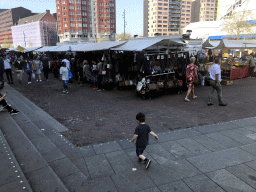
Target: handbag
{"points": [[33, 76], [70, 75]]}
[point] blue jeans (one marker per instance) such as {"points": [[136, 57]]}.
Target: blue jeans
{"points": [[95, 78], [65, 84]]}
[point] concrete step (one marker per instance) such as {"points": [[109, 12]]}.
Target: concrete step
{"points": [[12, 178], [57, 152], [37, 171]]}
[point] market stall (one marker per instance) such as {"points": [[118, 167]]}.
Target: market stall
{"points": [[150, 64]]}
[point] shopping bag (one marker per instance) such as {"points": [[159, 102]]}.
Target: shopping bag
{"points": [[70, 75]]}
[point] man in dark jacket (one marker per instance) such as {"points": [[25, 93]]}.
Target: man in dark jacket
{"points": [[2, 70], [45, 62]]}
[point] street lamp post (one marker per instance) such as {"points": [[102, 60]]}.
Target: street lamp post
{"points": [[24, 38]]}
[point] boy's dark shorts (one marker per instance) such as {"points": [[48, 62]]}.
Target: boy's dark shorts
{"points": [[139, 150]]}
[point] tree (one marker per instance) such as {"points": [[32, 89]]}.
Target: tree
{"points": [[100, 40], [6, 43], [237, 24], [121, 36]]}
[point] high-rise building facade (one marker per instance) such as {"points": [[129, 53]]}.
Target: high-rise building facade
{"points": [[86, 20], [9, 18], [167, 17]]}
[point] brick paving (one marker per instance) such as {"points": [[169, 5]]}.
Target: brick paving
{"points": [[97, 117]]}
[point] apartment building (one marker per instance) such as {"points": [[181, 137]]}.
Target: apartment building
{"points": [[86, 20], [9, 18], [35, 31], [167, 17]]}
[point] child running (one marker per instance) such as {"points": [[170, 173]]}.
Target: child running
{"points": [[141, 135]]}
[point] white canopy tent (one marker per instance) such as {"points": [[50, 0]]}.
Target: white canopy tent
{"points": [[28, 49], [47, 49], [98, 46], [148, 44]]}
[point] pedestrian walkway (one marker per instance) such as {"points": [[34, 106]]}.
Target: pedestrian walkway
{"points": [[219, 157]]}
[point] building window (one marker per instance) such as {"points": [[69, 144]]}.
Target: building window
{"points": [[78, 13], [84, 19], [71, 1], [63, 8], [57, 2], [58, 17], [84, 24], [66, 30], [58, 7], [63, 2], [78, 7], [79, 24], [80, 30], [71, 13], [84, 2], [64, 13], [72, 30], [64, 19], [79, 19], [78, 1], [84, 14], [85, 31], [72, 25], [71, 7], [72, 19], [107, 20], [58, 12], [84, 8], [65, 25], [106, 9]]}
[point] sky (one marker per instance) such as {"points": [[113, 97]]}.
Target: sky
{"points": [[133, 11]]}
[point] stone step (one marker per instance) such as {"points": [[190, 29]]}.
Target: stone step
{"points": [[60, 155], [12, 178], [37, 171]]}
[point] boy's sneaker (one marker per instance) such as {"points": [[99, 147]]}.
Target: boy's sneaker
{"points": [[148, 163], [14, 112]]}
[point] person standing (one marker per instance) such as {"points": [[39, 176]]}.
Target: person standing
{"points": [[141, 135], [19, 66], [64, 72], [45, 62], [95, 74], [38, 69], [55, 67], [251, 65], [2, 71], [28, 69], [215, 79], [191, 73], [100, 69], [8, 70], [67, 62]]}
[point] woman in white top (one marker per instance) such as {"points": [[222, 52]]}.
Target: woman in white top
{"points": [[65, 79], [38, 69], [8, 70]]}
